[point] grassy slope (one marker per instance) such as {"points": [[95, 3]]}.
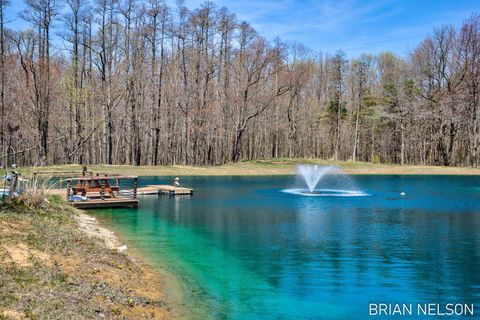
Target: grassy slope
{"points": [[265, 167], [49, 269]]}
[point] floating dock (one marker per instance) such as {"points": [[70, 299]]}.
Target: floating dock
{"points": [[122, 199], [88, 191], [95, 200], [117, 202], [100, 191], [164, 189]]}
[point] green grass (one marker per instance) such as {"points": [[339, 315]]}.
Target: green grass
{"points": [[279, 166]]}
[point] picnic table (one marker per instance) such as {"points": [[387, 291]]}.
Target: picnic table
{"points": [[95, 184]]}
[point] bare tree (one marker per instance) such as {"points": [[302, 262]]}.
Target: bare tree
{"points": [[138, 82], [361, 69], [41, 14], [255, 68]]}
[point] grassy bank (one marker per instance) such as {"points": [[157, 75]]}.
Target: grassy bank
{"points": [[266, 167], [52, 269]]}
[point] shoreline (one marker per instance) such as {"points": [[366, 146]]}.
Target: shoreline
{"points": [[172, 292], [262, 168], [175, 290], [58, 262]]}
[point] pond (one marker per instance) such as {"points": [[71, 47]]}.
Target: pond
{"points": [[251, 248]]}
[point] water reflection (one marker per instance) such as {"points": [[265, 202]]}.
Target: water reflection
{"points": [[253, 252]]}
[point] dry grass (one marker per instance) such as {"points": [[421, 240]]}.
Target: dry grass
{"points": [[49, 269], [264, 167]]}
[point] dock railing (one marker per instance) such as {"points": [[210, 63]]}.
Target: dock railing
{"points": [[62, 176], [102, 191]]}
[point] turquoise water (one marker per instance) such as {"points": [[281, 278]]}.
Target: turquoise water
{"points": [[246, 249]]}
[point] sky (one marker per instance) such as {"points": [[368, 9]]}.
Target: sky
{"points": [[354, 26]]}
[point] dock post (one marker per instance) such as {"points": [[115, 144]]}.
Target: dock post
{"points": [[102, 191], [69, 183], [13, 185], [135, 184], [34, 183]]}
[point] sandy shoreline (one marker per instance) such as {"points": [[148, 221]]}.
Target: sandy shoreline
{"points": [[171, 289], [60, 263], [91, 227]]}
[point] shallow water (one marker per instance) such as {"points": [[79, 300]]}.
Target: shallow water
{"points": [[247, 250]]}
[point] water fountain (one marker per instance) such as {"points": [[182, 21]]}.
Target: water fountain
{"points": [[339, 184], [312, 174]]}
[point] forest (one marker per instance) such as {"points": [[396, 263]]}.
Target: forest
{"points": [[146, 83]]}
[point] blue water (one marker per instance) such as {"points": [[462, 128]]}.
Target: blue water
{"points": [[246, 249]]}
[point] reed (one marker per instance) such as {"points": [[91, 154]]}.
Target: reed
{"points": [[36, 190]]}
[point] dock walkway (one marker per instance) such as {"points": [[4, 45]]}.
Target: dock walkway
{"points": [[95, 200], [164, 189], [108, 191]]}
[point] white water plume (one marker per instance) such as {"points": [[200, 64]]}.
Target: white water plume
{"points": [[337, 184], [313, 173]]}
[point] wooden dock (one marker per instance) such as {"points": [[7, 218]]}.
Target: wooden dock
{"points": [[164, 189], [95, 200], [117, 202], [99, 191], [88, 191]]}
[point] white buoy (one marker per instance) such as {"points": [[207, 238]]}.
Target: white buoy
{"points": [[402, 193]]}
